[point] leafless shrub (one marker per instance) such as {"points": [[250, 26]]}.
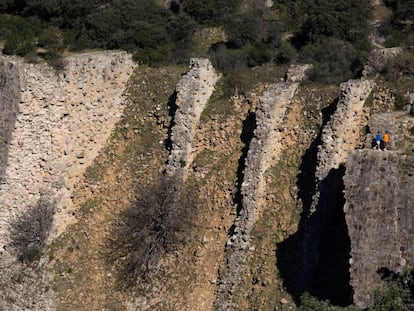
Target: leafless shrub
{"points": [[161, 220], [30, 231]]}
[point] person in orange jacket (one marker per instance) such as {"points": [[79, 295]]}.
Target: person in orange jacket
{"points": [[385, 139]]}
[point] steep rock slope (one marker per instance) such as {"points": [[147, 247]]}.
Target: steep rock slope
{"points": [[193, 91]]}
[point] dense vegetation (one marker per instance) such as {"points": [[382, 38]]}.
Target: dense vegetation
{"points": [[400, 27], [331, 34]]}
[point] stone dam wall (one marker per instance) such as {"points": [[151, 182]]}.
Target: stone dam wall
{"points": [[264, 150], [53, 125], [340, 136], [193, 92], [379, 213]]}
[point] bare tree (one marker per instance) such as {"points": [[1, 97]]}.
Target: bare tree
{"points": [[31, 230], [158, 222]]}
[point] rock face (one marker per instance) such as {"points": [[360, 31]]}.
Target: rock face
{"points": [[53, 125], [339, 137], [264, 150], [379, 213], [193, 93]]}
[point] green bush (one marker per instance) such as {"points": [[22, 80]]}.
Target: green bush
{"points": [[344, 20], [210, 12], [244, 28], [333, 60], [20, 34], [19, 44], [286, 53], [396, 293], [310, 303]]}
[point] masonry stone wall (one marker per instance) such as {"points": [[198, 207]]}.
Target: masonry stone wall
{"points": [[379, 213], [193, 92], [53, 125], [264, 150], [340, 136], [9, 106], [343, 132]]}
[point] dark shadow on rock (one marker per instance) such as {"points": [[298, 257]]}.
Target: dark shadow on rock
{"points": [[315, 259], [172, 109], [161, 221], [306, 177], [249, 125], [327, 232], [29, 233]]}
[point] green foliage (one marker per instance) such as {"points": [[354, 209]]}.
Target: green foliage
{"points": [[4, 5], [333, 60], [345, 20], [310, 303], [52, 40], [396, 294], [401, 23], [286, 53], [210, 12], [244, 28], [20, 34], [155, 35], [19, 44]]}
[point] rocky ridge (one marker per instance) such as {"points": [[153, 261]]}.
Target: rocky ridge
{"points": [[193, 92], [264, 149], [339, 136]]}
